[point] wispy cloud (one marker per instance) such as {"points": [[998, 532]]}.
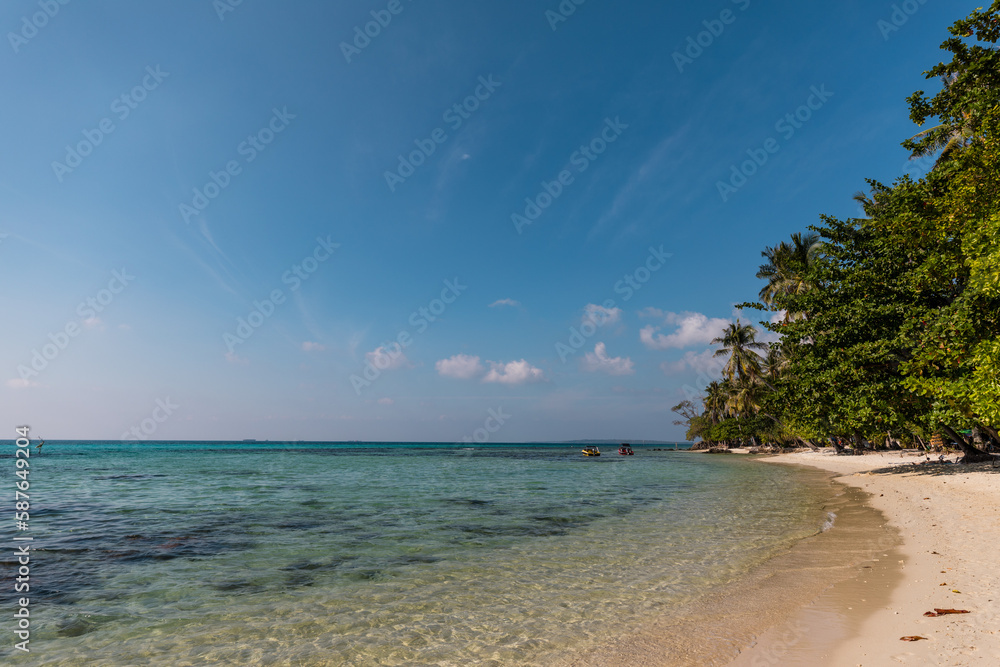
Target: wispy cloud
{"points": [[627, 192], [234, 358], [309, 346], [18, 383], [600, 315], [704, 362], [505, 302], [387, 360]]}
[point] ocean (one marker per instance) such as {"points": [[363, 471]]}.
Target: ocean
{"points": [[177, 553]]}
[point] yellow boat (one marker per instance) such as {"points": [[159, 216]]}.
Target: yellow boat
{"points": [[591, 451]]}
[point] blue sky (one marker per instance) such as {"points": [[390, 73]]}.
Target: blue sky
{"points": [[217, 219]]}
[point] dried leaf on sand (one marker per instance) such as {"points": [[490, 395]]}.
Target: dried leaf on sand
{"points": [[944, 612]]}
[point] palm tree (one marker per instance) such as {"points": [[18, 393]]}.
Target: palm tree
{"points": [[787, 269], [744, 399], [774, 363], [869, 204], [740, 343], [946, 137], [716, 397]]}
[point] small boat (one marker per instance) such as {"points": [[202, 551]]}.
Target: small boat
{"points": [[591, 450], [625, 450]]}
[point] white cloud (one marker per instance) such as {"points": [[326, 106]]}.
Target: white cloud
{"points": [[691, 329], [598, 360], [514, 372], [387, 359], [461, 366], [600, 315], [505, 302], [309, 346], [93, 323], [705, 363], [386, 401], [18, 383]]}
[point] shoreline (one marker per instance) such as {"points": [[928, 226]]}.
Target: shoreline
{"points": [[948, 517], [713, 630]]}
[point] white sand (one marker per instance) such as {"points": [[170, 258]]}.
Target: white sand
{"points": [[949, 519]]}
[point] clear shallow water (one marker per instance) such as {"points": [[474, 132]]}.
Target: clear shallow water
{"points": [[180, 553]]}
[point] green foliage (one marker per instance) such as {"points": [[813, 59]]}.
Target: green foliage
{"points": [[894, 325], [698, 427], [984, 386], [972, 85], [953, 343]]}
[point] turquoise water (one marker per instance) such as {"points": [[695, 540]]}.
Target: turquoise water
{"points": [[322, 554]]}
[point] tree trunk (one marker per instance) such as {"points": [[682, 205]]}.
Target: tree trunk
{"points": [[993, 434], [972, 455]]}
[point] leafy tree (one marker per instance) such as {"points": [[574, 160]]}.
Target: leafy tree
{"points": [[892, 326], [956, 338], [971, 86]]}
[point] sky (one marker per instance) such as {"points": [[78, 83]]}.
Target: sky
{"points": [[418, 220]]}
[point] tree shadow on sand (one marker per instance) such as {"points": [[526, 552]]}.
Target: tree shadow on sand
{"points": [[935, 468]]}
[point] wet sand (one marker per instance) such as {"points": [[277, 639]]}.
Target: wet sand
{"points": [[948, 517], [714, 630]]}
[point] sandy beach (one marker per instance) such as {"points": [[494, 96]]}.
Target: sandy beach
{"points": [[948, 517]]}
